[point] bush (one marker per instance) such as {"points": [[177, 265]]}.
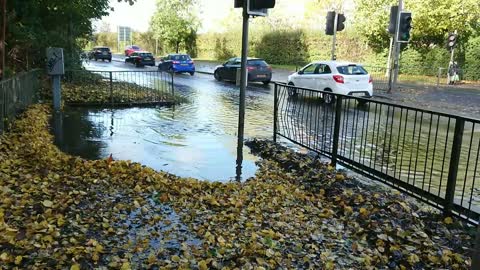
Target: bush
{"points": [[283, 47], [472, 59]]}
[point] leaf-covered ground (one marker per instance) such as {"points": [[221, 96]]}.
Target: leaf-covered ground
{"points": [[60, 211]]}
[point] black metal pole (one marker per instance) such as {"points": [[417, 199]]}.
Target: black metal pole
{"points": [[453, 169], [336, 129], [3, 50], [275, 113], [243, 86], [476, 251]]}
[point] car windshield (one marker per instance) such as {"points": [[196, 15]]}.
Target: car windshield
{"points": [[257, 62], [352, 70], [146, 54], [102, 49], [135, 47], [180, 57]]}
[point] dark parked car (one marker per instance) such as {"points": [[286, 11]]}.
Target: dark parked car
{"points": [[177, 63], [258, 70], [130, 49], [101, 52], [140, 59]]}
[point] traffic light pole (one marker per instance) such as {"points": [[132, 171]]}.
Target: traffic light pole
{"points": [[243, 87], [334, 41], [392, 81]]}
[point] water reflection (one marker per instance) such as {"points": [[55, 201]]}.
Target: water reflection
{"points": [[195, 139]]}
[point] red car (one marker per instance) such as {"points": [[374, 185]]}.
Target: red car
{"points": [[130, 49]]}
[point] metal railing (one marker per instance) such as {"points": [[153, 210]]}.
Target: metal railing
{"points": [[430, 155], [117, 88], [16, 94]]}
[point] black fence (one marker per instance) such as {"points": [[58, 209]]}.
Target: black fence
{"points": [[118, 88], [16, 94], [430, 155]]}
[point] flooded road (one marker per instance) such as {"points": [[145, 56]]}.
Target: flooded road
{"points": [[194, 139]]}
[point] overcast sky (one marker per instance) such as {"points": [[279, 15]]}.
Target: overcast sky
{"points": [[138, 16]]}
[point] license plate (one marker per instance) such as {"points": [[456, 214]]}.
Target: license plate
{"points": [[184, 64], [358, 94], [147, 59], [104, 53], [261, 76]]}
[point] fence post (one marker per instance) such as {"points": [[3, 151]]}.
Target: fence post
{"points": [[111, 88], [476, 250], [173, 88], [438, 76], [453, 168], [275, 112], [336, 129]]}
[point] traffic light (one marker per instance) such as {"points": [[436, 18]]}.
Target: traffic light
{"points": [[330, 23], [393, 20], [405, 26], [256, 7], [340, 22], [452, 41]]}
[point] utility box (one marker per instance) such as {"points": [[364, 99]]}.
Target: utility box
{"points": [[55, 62]]}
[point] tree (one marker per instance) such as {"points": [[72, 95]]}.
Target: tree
{"points": [[175, 22], [432, 20], [34, 25]]}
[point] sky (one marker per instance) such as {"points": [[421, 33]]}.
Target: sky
{"points": [[138, 16], [211, 13]]}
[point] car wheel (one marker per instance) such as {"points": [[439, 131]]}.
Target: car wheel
{"points": [[266, 82], [328, 98], [96, 59], [110, 60], [217, 76], [291, 90], [192, 73]]}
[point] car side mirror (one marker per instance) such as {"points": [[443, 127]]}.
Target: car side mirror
{"points": [[300, 72]]}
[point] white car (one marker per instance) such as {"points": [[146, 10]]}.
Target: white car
{"points": [[337, 77]]}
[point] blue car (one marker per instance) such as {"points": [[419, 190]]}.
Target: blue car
{"points": [[177, 63]]}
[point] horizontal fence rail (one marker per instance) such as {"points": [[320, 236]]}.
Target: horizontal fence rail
{"points": [[16, 94], [430, 155], [85, 87]]}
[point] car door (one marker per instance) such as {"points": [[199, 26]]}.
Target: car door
{"points": [[232, 69], [324, 77], [306, 77], [227, 69]]}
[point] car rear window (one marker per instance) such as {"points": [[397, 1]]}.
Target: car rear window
{"points": [[181, 57], [135, 47], [146, 54], [261, 63], [352, 70], [103, 49]]}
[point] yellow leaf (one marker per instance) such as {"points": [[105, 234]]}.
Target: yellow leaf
{"points": [[126, 266], [47, 203], [202, 265], [95, 257], [340, 177], [99, 248], [363, 211], [18, 260], [413, 259], [75, 267], [4, 256], [448, 220], [175, 258]]}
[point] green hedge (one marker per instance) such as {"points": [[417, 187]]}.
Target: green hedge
{"points": [[472, 59]]}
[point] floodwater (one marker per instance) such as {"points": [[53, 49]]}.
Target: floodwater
{"points": [[194, 139]]}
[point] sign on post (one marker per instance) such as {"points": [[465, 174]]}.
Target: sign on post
{"points": [[55, 68], [124, 33], [55, 63]]}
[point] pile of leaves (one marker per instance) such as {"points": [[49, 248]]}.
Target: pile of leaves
{"points": [[60, 211], [98, 93]]}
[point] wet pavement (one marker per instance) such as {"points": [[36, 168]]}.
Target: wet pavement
{"points": [[194, 139]]}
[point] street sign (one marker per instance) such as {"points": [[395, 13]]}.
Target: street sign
{"points": [[55, 64], [124, 33]]}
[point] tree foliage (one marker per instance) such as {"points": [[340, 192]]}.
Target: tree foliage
{"points": [[34, 25], [432, 20], [175, 22]]}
